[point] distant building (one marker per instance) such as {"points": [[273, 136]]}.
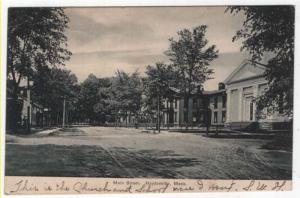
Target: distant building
{"points": [[232, 105], [204, 106], [37, 115], [36, 112], [217, 105]]}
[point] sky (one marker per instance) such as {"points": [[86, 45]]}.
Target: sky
{"points": [[103, 40]]}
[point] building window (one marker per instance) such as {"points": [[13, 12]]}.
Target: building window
{"points": [[224, 100], [216, 117], [175, 101], [223, 116], [216, 102], [175, 116]]}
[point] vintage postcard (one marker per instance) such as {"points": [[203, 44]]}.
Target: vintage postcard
{"points": [[162, 99]]}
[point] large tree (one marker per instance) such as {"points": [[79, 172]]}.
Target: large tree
{"points": [[36, 37], [51, 87], [191, 55], [160, 78], [126, 94], [269, 30], [91, 103]]}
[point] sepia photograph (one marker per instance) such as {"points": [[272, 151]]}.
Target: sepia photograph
{"points": [[173, 92]]}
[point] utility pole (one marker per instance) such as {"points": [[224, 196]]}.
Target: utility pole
{"points": [[28, 106], [64, 113], [158, 114]]}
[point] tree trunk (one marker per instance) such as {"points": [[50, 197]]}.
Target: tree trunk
{"points": [[64, 114], [126, 119], [158, 114], [116, 120], [168, 114], [57, 119], [187, 112]]}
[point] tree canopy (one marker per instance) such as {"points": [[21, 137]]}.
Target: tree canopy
{"points": [[36, 42], [35, 38], [191, 55], [159, 80], [103, 100], [269, 30], [91, 98], [126, 93], [51, 87]]}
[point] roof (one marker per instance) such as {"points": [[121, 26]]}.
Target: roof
{"points": [[214, 92], [245, 63], [174, 89], [195, 91]]}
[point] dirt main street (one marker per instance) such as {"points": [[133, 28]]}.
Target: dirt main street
{"points": [[124, 152]]}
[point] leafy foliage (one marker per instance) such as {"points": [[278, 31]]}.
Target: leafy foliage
{"points": [[126, 93], [52, 86], [92, 97], [157, 85], [36, 42], [103, 100], [190, 57], [159, 80], [270, 30], [35, 38]]}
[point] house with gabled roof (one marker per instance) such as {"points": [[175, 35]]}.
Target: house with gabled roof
{"points": [[203, 107]]}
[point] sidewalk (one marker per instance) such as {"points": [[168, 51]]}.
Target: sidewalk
{"points": [[46, 132], [34, 132], [14, 138]]}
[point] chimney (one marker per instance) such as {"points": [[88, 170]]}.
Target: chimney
{"points": [[221, 86], [200, 88]]}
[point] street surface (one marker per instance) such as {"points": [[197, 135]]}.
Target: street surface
{"points": [[127, 152]]}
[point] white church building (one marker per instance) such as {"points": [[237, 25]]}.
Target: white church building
{"points": [[243, 85]]}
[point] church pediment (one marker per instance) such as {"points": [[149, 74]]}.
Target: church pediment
{"points": [[245, 71]]}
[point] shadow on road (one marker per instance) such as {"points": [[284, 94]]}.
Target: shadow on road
{"points": [[241, 136], [91, 161], [95, 161]]}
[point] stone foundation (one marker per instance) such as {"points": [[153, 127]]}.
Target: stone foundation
{"points": [[257, 126]]}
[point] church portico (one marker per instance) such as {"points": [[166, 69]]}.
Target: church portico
{"points": [[243, 86], [241, 102]]}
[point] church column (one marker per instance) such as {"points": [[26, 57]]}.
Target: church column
{"points": [[240, 104], [255, 95], [228, 92]]}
